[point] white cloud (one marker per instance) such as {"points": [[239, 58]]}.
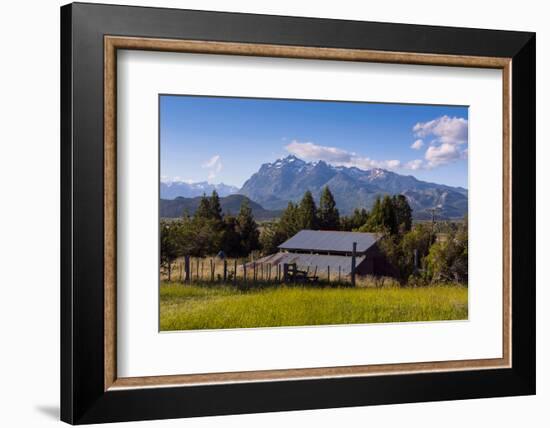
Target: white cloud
{"points": [[449, 140], [212, 162], [214, 166], [442, 154], [417, 145], [444, 129], [311, 151], [415, 164], [176, 179], [392, 164], [335, 156]]}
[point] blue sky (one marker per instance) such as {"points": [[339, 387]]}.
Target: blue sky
{"points": [[226, 140]]}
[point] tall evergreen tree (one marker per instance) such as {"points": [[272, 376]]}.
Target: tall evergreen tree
{"points": [[231, 239], [276, 233], [388, 213], [360, 217], [290, 223], [329, 217], [403, 213], [308, 212], [203, 210], [375, 222], [215, 206], [246, 227], [208, 226], [382, 217], [169, 246]]}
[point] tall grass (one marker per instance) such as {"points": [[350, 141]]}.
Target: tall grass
{"points": [[190, 307]]}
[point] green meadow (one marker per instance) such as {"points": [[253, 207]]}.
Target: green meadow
{"points": [[192, 306]]}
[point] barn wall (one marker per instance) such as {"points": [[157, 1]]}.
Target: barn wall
{"points": [[376, 263]]}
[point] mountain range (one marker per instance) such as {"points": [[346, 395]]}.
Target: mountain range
{"points": [[287, 179], [173, 189], [276, 183], [171, 208]]}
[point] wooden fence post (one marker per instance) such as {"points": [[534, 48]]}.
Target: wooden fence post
{"points": [[339, 273], [186, 258], [244, 271], [224, 270], [254, 274], [285, 272], [197, 274], [353, 255], [211, 270], [328, 273], [235, 274]]}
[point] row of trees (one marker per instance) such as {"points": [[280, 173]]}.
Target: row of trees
{"points": [[390, 214], [208, 232], [303, 215], [418, 253]]}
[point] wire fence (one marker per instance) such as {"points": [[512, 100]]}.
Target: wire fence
{"points": [[238, 271]]}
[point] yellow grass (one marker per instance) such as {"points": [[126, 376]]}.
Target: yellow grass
{"points": [[191, 306]]}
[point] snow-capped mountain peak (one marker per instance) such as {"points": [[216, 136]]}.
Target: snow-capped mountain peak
{"points": [[286, 179]]}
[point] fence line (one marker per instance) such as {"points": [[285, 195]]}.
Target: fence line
{"points": [[187, 270]]}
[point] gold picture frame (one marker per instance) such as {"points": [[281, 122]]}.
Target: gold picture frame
{"points": [[114, 43]]}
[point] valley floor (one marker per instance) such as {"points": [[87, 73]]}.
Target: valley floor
{"points": [[190, 307]]}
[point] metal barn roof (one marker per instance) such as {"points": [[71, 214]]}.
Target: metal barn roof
{"points": [[329, 241], [303, 261]]}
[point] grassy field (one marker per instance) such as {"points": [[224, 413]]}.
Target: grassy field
{"points": [[190, 307]]}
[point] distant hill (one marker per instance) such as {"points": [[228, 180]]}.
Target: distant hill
{"points": [[174, 189], [230, 205], [277, 183]]}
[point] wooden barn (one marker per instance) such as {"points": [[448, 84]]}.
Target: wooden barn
{"points": [[333, 250]]}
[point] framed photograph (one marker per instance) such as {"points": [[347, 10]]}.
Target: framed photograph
{"points": [[267, 213]]}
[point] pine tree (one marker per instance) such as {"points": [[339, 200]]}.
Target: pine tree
{"points": [[209, 226], [375, 222], [329, 217], [388, 213], [270, 237], [246, 227], [169, 246], [290, 222], [276, 233], [308, 212], [231, 239], [203, 211], [215, 207], [359, 218], [382, 217], [403, 213]]}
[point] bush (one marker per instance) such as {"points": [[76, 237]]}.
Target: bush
{"points": [[447, 261]]}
